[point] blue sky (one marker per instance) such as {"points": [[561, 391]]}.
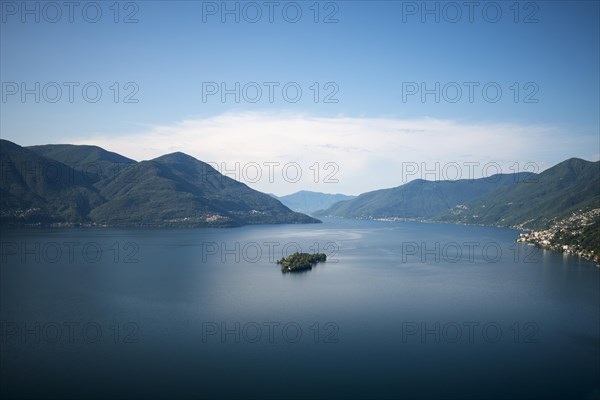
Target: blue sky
{"points": [[372, 55]]}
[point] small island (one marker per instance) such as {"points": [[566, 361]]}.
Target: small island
{"points": [[300, 261]]}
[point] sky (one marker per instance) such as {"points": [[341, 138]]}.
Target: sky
{"points": [[330, 96]]}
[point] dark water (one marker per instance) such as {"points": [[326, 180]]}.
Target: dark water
{"points": [[399, 310]]}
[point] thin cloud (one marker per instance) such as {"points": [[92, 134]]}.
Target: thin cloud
{"points": [[362, 154]]}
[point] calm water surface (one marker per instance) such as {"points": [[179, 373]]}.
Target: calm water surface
{"points": [[399, 310]]}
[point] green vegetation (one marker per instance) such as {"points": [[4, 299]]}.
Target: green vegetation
{"points": [[525, 200], [554, 194], [301, 261], [419, 199], [35, 189], [581, 238], [67, 184], [578, 234], [589, 238], [93, 162]]}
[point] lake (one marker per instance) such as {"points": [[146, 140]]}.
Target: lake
{"points": [[399, 310]]}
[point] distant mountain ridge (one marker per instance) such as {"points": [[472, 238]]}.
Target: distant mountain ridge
{"points": [[554, 194], [73, 184], [524, 200], [92, 185], [420, 199], [309, 202]]}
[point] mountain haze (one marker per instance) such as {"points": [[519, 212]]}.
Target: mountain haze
{"points": [[308, 202]]}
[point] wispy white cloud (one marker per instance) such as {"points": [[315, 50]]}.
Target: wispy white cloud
{"points": [[367, 153]]}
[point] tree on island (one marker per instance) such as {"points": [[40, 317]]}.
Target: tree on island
{"points": [[300, 261]]}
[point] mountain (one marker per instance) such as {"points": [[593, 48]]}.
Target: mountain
{"points": [[420, 199], [94, 162], [86, 184], [308, 202], [178, 189], [35, 189], [554, 194]]}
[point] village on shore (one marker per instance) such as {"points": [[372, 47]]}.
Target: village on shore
{"points": [[578, 235]]}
